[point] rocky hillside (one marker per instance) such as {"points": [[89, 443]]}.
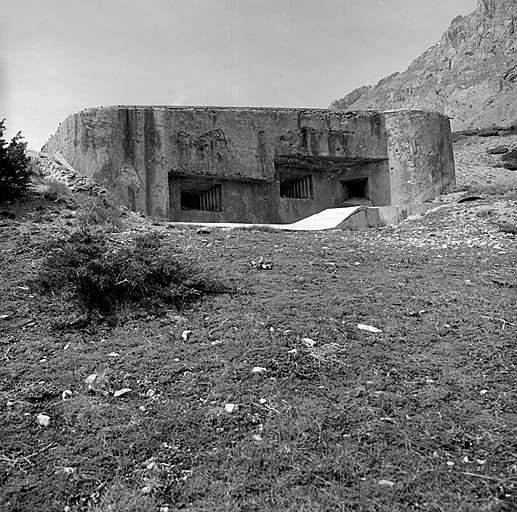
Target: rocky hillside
{"points": [[470, 74]]}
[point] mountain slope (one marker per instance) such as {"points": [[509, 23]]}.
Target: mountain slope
{"points": [[470, 74]]}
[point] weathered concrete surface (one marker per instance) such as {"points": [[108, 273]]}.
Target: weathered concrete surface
{"points": [[351, 217], [372, 217], [420, 156], [148, 156]]}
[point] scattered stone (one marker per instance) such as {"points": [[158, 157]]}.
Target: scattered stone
{"points": [[308, 342], [43, 420], [258, 369], [386, 483], [204, 230], [231, 408], [261, 264], [91, 379], [66, 395], [368, 328], [122, 392], [185, 335], [416, 313]]}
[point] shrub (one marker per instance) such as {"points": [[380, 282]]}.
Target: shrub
{"points": [[15, 169], [103, 275], [53, 190], [97, 211]]}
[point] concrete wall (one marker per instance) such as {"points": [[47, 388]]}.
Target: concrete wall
{"points": [[421, 159], [132, 150], [240, 200], [327, 191]]}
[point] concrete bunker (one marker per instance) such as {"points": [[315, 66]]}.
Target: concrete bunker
{"points": [[257, 165]]}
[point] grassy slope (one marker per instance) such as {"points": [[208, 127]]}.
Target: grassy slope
{"points": [[419, 417]]}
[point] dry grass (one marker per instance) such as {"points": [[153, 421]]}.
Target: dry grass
{"points": [[418, 417]]}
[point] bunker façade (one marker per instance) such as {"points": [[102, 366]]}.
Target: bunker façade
{"points": [[264, 165]]}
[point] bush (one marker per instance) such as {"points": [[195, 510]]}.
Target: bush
{"points": [[103, 276], [53, 190], [97, 212], [15, 169]]}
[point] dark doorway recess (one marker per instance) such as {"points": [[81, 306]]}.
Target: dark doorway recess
{"points": [[357, 190]]}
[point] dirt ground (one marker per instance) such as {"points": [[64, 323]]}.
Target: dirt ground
{"points": [[275, 396]]}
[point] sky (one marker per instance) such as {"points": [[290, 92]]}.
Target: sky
{"points": [[60, 56]]}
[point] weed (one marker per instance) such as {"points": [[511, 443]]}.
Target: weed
{"points": [[118, 497], [104, 275], [96, 211], [53, 190]]}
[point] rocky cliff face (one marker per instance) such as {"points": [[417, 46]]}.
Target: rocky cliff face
{"points": [[469, 75]]}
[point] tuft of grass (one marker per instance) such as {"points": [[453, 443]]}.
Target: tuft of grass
{"points": [[95, 211], [53, 190], [121, 498], [103, 275]]}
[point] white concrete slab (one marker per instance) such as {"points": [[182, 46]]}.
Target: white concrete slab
{"points": [[330, 218], [335, 218]]}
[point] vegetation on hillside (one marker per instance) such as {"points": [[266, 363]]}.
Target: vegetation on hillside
{"points": [[104, 275], [273, 399], [370, 370], [15, 171]]}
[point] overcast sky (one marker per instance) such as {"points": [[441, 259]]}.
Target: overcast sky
{"points": [[59, 56]]}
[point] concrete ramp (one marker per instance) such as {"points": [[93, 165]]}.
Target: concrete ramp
{"points": [[330, 218]]}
